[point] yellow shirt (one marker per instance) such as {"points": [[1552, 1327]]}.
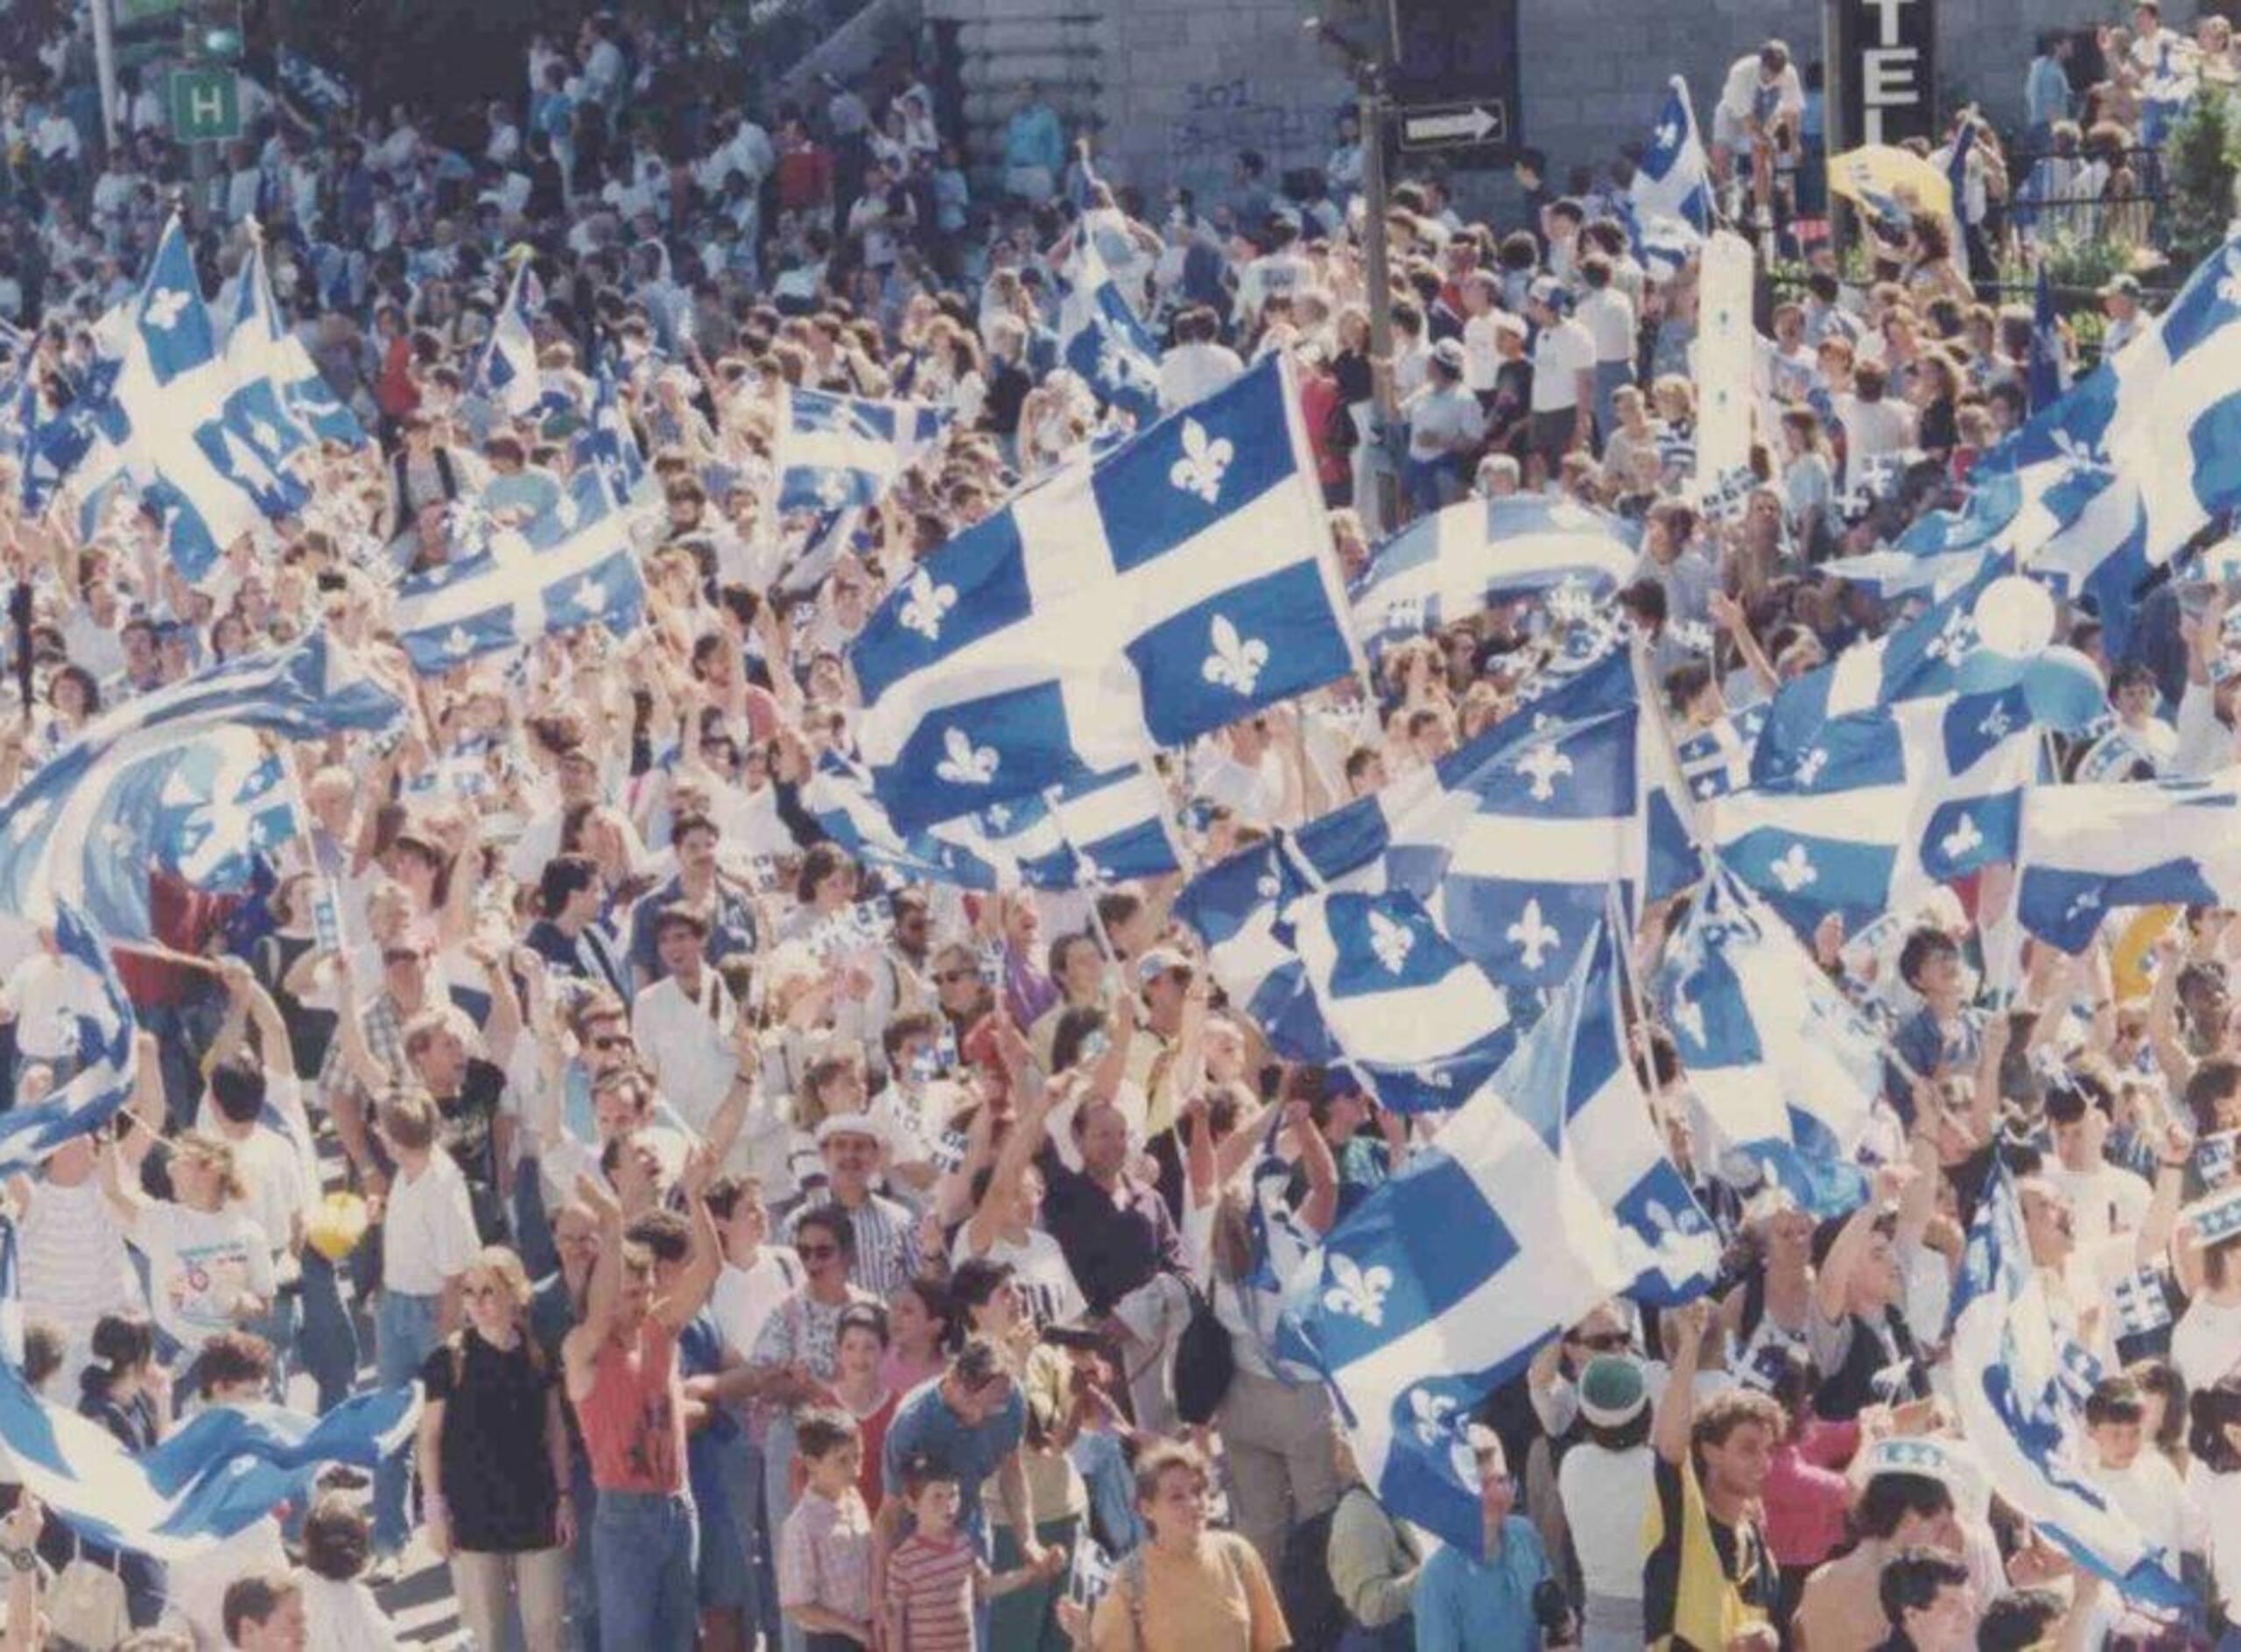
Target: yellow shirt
{"points": [[1218, 1601]]}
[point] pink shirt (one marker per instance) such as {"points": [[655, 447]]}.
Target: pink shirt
{"points": [[1807, 1495]]}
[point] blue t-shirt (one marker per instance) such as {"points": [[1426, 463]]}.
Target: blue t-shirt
{"points": [[1464, 1604], [924, 1425]]}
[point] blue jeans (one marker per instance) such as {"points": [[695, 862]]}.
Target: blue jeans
{"points": [[642, 1547], [405, 1334], [327, 1343], [583, 1575]]}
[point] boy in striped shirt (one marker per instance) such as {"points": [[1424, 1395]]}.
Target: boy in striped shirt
{"points": [[935, 1578]]}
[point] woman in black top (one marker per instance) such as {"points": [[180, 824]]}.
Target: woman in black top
{"points": [[493, 1457], [119, 1391]]}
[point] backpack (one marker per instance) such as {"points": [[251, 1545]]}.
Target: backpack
{"points": [[1339, 436], [1204, 1362], [1129, 1579]]}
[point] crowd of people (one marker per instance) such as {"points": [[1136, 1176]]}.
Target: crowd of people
{"points": [[791, 1254]]}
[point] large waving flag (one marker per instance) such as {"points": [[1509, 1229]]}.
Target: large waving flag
{"points": [[2086, 850], [221, 1473], [1573, 1082], [838, 450], [609, 442], [101, 1032], [1785, 1068], [507, 371], [1472, 555], [1674, 179], [260, 348], [1092, 830], [1101, 338], [1511, 842], [86, 827], [1883, 805], [2015, 1368], [1436, 1290], [1180, 583], [573, 567]]}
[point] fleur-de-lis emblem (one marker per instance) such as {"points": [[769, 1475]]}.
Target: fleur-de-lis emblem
{"points": [[1963, 838], [589, 596], [1667, 135], [1392, 942], [923, 605], [1205, 462], [567, 512], [1357, 1292], [1533, 936], [457, 644], [2088, 901], [1794, 870], [1997, 724], [1237, 660], [999, 816], [2086, 452], [1810, 765], [964, 763], [2229, 285], [1954, 642], [1269, 886], [164, 308], [1542, 764], [264, 436], [833, 490]]}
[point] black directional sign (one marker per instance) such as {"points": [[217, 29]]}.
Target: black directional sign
{"points": [[1454, 75]]}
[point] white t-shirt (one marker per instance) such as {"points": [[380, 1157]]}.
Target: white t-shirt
{"points": [[73, 1264], [1042, 1274], [2105, 1200], [1609, 320], [2206, 1344], [744, 1298], [199, 1263], [195, 1586], [1604, 1493], [1559, 354], [2218, 1496], [428, 1233]]}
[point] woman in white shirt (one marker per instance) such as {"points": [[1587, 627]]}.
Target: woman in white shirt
{"points": [[1605, 1481]]}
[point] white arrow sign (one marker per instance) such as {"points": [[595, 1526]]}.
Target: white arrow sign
{"points": [[1471, 124]]}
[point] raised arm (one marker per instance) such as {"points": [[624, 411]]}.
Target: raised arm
{"points": [[1676, 1406]]}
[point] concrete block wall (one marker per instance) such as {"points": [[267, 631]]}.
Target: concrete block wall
{"points": [[1176, 87]]}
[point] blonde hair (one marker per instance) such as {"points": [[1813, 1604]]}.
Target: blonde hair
{"points": [[193, 1144]]}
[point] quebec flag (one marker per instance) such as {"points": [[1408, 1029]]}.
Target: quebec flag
{"points": [[2013, 1361], [835, 452], [1479, 552], [100, 1029], [1512, 843], [507, 371], [1674, 181], [1573, 1082], [571, 567], [1785, 1069], [1140, 599], [2086, 850], [1435, 1289], [259, 347], [1101, 338], [139, 786], [249, 442], [174, 326]]}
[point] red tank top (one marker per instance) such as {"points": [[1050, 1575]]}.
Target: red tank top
{"points": [[633, 1426]]}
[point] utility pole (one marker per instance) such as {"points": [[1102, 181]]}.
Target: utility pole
{"points": [[1374, 106]]}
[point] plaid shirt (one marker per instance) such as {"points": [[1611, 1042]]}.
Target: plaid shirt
{"points": [[383, 1020]]}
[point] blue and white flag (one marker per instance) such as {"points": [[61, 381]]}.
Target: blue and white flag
{"points": [[1479, 552], [1435, 1289], [99, 1032], [1573, 1082], [2086, 850], [1512, 843], [11, 1298], [226, 802], [260, 348], [1364, 982], [176, 331], [573, 566], [1093, 830], [82, 828], [2013, 1386], [222, 1471], [609, 442], [1674, 179], [507, 371], [838, 451], [313, 85], [1183, 581], [1101, 339], [1884, 805], [1783, 1066], [1956, 178]]}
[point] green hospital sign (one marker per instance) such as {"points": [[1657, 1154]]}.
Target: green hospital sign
{"points": [[206, 106]]}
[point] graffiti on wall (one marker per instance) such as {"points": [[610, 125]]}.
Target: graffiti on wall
{"points": [[1220, 117]]}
